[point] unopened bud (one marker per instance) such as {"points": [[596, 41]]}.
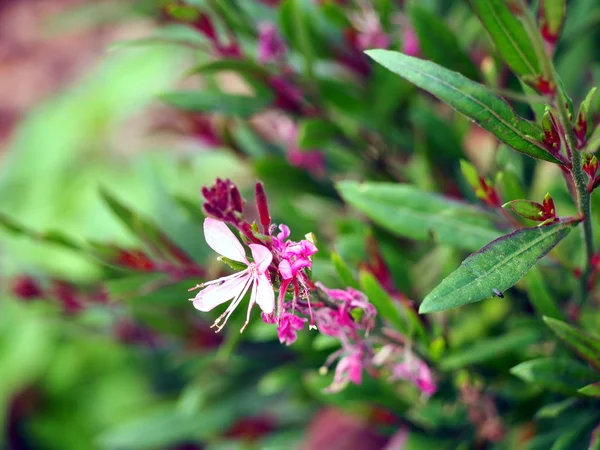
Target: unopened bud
{"points": [[551, 136], [263, 207], [552, 15], [590, 165], [581, 124]]}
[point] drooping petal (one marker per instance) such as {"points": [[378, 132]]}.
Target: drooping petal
{"points": [[220, 238], [265, 297], [214, 295], [262, 257]]}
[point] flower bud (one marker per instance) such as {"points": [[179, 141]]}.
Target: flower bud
{"points": [[552, 15], [581, 124], [551, 136]]}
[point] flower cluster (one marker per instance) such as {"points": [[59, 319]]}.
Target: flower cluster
{"points": [[279, 264]]}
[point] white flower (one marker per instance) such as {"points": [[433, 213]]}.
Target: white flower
{"points": [[220, 238]]}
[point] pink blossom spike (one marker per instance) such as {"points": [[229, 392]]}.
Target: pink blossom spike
{"points": [[220, 238]]}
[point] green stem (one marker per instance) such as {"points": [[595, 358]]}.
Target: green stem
{"points": [[579, 177]]}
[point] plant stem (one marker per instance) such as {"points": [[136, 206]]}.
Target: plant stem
{"points": [[579, 177]]}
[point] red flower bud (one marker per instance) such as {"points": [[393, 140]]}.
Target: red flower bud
{"points": [[26, 288], [263, 207]]}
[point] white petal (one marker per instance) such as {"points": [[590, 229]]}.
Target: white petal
{"points": [[214, 295], [223, 241], [262, 257], [265, 297]]}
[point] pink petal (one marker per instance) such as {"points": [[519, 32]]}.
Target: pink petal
{"points": [[262, 257], [223, 241], [214, 295], [265, 297], [285, 270]]}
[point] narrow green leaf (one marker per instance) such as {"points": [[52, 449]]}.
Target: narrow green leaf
{"points": [[242, 66], [469, 98], [586, 345], [562, 375], [388, 309], [526, 208], [489, 349], [343, 271], [495, 268], [439, 43], [217, 102], [50, 237], [148, 233], [407, 211], [509, 36], [591, 390], [539, 296]]}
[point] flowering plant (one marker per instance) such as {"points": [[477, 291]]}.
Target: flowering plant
{"points": [[394, 140]]}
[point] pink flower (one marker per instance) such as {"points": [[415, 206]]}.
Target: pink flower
{"points": [[271, 46], [417, 372], [223, 241], [348, 370], [289, 324]]}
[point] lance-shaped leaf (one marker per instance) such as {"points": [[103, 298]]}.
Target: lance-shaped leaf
{"points": [[592, 390], [586, 345], [407, 211], [469, 98], [154, 238], [495, 268], [556, 374], [509, 36], [527, 209], [217, 102]]}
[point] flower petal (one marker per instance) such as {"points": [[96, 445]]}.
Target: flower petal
{"points": [[220, 238], [265, 297], [262, 257], [214, 295]]}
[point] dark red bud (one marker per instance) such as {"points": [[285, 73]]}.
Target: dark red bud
{"points": [[136, 260], [68, 297], [581, 128], [263, 207], [204, 24], [26, 288]]}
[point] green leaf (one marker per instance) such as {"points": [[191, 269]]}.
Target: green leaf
{"points": [[343, 271], [407, 211], [469, 98], [587, 346], [314, 133], [562, 375], [526, 208], [242, 66], [49, 237], [489, 349], [439, 43], [217, 102], [509, 36], [495, 268], [146, 231], [592, 390], [539, 296]]}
